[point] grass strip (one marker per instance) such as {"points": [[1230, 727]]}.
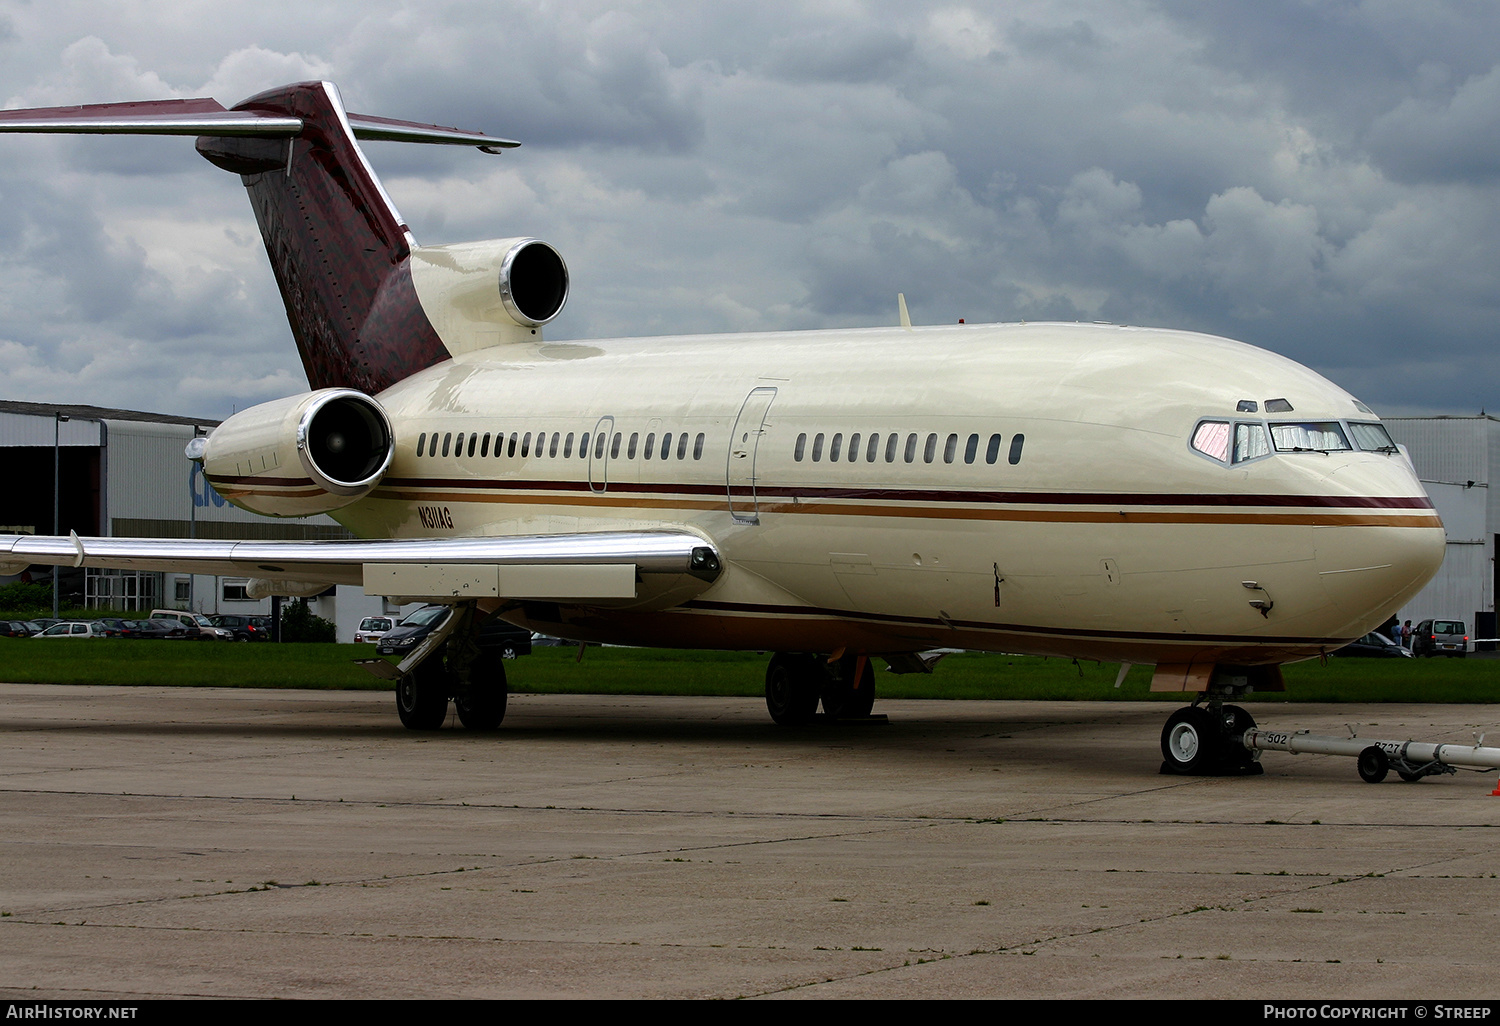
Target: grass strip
{"points": [[636, 671]]}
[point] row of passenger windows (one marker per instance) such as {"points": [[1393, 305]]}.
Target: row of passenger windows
{"points": [[870, 448], [542, 445]]}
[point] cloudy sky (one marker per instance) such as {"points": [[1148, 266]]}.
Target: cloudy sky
{"points": [[1318, 177]]}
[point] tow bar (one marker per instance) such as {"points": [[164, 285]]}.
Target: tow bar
{"points": [[1412, 760]]}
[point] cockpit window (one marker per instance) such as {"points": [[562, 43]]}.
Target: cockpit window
{"points": [[1250, 442], [1212, 439], [1372, 437], [1322, 436]]}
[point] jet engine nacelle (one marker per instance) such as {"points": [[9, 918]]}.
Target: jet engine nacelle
{"points": [[478, 294], [294, 457]]}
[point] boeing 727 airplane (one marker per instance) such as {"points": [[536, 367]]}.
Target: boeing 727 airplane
{"points": [[1114, 493]]}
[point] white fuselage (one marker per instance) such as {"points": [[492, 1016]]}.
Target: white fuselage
{"points": [[1041, 494]]}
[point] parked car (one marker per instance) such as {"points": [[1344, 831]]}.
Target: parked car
{"points": [[244, 628], [156, 630], [72, 629], [373, 628], [15, 629], [1440, 637], [1375, 646], [496, 634], [197, 625], [113, 626]]}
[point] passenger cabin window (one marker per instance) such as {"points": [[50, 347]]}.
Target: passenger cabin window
{"points": [[1015, 449], [697, 445]]}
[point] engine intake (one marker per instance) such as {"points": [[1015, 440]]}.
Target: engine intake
{"points": [[294, 457], [533, 282]]}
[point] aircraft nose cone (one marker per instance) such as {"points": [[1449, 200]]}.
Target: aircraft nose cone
{"points": [[1371, 572]]}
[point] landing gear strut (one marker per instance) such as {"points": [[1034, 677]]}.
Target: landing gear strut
{"points": [[797, 683], [450, 665]]}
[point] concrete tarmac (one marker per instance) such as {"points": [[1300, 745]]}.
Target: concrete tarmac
{"points": [[175, 842]]}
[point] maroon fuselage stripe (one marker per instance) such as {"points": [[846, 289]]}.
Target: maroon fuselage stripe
{"points": [[932, 495]]}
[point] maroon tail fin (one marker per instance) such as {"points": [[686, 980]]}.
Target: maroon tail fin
{"points": [[338, 247]]}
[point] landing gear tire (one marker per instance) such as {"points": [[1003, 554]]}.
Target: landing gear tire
{"points": [[1236, 757], [1191, 741], [422, 695], [1373, 765], [483, 706], [792, 688], [845, 697]]}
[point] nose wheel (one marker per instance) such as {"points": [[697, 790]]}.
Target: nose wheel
{"points": [[1205, 741]]}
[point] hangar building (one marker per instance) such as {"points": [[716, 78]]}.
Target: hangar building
{"points": [[123, 474], [1458, 460]]}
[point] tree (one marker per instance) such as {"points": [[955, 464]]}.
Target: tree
{"points": [[299, 624]]}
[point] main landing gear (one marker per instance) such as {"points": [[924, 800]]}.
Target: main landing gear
{"points": [[1204, 740], [796, 683], [450, 666]]}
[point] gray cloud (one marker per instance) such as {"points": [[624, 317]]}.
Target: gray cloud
{"points": [[1317, 178]]}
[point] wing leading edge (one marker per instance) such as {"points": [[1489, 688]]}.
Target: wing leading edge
{"points": [[632, 569]]}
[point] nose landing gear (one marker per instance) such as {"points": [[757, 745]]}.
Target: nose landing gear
{"points": [[1205, 741]]}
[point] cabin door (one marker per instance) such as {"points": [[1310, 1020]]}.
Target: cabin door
{"points": [[744, 442], [599, 454]]}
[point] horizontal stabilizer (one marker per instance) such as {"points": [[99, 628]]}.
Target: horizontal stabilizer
{"points": [[205, 116], [202, 116]]}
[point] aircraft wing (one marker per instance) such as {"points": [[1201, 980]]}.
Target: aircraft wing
{"points": [[660, 567]]}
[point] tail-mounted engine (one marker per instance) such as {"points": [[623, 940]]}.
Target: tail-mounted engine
{"points": [[294, 457], [478, 294]]}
